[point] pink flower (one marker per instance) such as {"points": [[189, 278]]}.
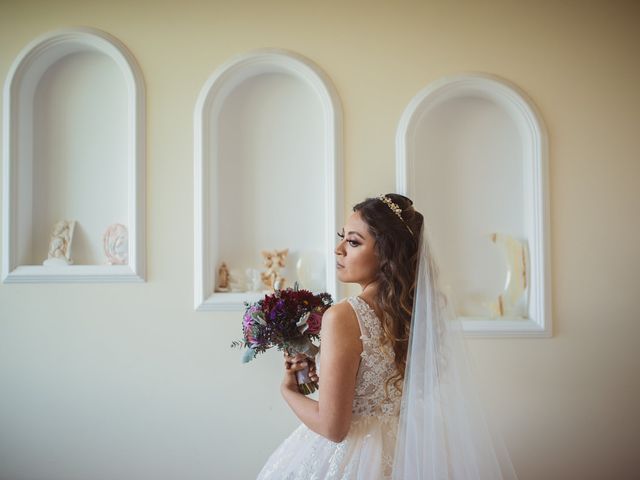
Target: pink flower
{"points": [[314, 322]]}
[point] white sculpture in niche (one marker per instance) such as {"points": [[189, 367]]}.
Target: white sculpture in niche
{"points": [[60, 244], [236, 283], [512, 302], [253, 279], [311, 270], [274, 260], [116, 244]]}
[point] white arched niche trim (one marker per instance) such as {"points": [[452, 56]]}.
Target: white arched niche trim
{"points": [[454, 107], [232, 141], [36, 65]]}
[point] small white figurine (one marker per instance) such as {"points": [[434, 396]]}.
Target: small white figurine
{"points": [[253, 279], [236, 281], [116, 244], [60, 244]]}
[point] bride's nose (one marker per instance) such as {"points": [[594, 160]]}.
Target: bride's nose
{"points": [[339, 248]]}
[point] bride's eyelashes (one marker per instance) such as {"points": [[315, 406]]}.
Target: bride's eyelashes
{"points": [[353, 243]]}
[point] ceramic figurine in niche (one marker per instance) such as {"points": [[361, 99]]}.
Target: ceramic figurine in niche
{"points": [[116, 244], [274, 261], [512, 302], [60, 244], [223, 278]]}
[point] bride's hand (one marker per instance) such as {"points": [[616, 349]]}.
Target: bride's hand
{"points": [[293, 364]]}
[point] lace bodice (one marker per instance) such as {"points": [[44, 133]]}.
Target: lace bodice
{"points": [[367, 452], [376, 366]]}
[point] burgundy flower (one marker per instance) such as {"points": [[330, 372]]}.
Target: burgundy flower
{"points": [[288, 319]]}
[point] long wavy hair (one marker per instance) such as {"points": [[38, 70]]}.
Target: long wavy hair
{"points": [[396, 245]]}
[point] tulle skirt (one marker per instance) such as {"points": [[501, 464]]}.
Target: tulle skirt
{"points": [[365, 454]]}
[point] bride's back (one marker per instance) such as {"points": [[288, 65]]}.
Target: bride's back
{"points": [[377, 365]]}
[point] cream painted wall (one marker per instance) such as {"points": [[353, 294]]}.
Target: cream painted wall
{"points": [[128, 382]]}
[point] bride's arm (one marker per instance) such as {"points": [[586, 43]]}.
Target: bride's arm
{"points": [[340, 358]]}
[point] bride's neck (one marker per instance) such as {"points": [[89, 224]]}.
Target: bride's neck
{"points": [[369, 291]]}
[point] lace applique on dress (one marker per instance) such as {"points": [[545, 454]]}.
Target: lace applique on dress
{"points": [[376, 366]]}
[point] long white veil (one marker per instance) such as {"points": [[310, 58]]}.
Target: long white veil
{"points": [[442, 433]]}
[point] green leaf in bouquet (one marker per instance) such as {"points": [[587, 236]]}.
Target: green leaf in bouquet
{"points": [[248, 355], [303, 345], [259, 317]]}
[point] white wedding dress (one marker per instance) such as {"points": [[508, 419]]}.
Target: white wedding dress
{"points": [[367, 451]]}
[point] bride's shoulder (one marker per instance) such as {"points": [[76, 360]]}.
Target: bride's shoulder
{"points": [[340, 308], [340, 327], [340, 312]]}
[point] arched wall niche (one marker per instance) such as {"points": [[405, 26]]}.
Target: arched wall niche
{"points": [[471, 151], [268, 174], [74, 149]]}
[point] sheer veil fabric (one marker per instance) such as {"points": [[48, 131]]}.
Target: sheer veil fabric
{"points": [[442, 433]]}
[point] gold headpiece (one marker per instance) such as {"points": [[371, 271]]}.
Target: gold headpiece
{"points": [[395, 209]]}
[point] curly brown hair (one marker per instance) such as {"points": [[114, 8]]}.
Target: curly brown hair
{"points": [[396, 245]]}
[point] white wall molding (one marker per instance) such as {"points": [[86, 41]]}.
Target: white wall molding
{"points": [[29, 67], [212, 97], [522, 110]]}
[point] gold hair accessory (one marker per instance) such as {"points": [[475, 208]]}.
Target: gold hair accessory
{"points": [[395, 209]]}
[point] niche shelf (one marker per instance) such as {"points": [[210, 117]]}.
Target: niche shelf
{"points": [[74, 149], [268, 173], [471, 151]]}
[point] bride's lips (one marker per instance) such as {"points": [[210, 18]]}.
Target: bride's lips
{"points": [[339, 266]]}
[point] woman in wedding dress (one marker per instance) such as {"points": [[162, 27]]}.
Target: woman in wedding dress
{"points": [[350, 432], [395, 398]]}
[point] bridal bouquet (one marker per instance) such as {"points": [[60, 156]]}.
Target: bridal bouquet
{"points": [[289, 320]]}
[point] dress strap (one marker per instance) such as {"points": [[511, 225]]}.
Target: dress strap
{"points": [[367, 318]]}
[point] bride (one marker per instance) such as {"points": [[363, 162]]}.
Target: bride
{"points": [[395, 397]]}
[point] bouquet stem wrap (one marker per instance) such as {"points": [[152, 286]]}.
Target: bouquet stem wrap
{"points": [[305, 384], [308, 349]]}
